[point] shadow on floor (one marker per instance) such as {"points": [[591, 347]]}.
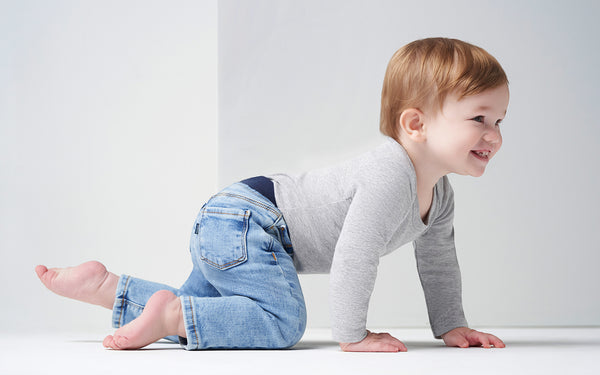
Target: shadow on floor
{"points": [[545, 343], [411, 345]]}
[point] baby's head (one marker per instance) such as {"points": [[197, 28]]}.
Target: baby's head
{"points": [[424, 72]]}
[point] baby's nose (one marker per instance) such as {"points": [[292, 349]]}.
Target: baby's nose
{"points": [[493, 135]]}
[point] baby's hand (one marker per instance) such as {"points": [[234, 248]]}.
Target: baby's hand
{"points": [[375, 342], [464, 337]]}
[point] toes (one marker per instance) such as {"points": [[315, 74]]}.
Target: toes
{"points": [[41, 270], [46, 275], [122, 342], [108, 342], [118, 343]]}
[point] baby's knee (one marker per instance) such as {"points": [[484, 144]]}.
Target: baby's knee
{"points": [[292, 331]]}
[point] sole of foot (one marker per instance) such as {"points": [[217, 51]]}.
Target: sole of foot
{"points": [[89, 282]]}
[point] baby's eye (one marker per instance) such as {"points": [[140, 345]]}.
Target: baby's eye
{"points": [[498, 122], [478, 118]]}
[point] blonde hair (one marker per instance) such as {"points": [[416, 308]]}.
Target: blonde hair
{"points": [[422, 74]]}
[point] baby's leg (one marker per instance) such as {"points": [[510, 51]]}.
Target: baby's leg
{"points": [[161, 317], [131, 299], [89, 282], [146, 311], [152, 310]]}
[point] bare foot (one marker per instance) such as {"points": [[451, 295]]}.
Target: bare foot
{"points": [[89, 282], [162, 316]]}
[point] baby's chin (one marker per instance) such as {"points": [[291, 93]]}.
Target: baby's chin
{"points": [[472, 173], [477, 174]]}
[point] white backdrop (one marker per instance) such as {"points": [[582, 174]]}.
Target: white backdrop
{"points": [[108, 142], [108, 145], [299, 87]]}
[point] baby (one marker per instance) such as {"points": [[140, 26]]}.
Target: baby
{"points": [[442, 104]]}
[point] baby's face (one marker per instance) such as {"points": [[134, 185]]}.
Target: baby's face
{"points": [[465, 134]]}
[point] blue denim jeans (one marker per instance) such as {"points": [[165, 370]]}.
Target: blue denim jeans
{"points": [[243, 291]]}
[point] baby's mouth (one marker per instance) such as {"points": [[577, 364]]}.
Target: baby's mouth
{"points": [[481, 154]]}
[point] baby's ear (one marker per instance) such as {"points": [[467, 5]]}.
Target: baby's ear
{"points": [[411, 124]]}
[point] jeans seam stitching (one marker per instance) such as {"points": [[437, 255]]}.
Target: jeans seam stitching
{"points": [[123, 302], [223, 266], [194, 322], [260, 204]]}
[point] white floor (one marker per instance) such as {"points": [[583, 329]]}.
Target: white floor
{"points": [[528, 351]]}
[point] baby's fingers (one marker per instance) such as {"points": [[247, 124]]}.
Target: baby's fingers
{"points": [[485, 339], [400, 345], [383, 342], [385, 347], [496, 342], [485, 342], [397, 345], [391, 340], [373, 346]]}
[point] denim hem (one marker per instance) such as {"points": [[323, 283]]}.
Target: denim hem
{"points": [[119, 305], [192, 341]]}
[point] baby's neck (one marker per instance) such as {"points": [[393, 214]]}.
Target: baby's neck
{"points": [[425, 169], [427, 177]]}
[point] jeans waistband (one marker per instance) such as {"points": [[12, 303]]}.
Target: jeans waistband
{"points": [[263, 185]]}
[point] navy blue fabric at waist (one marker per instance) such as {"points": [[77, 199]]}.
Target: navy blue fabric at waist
{"points": [[263, 185]]}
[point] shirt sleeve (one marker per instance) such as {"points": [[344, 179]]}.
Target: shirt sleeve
{"points": [[438, 269]]}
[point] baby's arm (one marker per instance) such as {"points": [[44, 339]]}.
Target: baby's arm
{"points": [[440, 276], [368, 226], [438, 268]]}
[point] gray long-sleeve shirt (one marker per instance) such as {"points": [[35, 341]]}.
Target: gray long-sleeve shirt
{"points": [[342, 219]]}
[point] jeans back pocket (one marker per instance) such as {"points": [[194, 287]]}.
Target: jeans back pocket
{"points": [[222, 236]]}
